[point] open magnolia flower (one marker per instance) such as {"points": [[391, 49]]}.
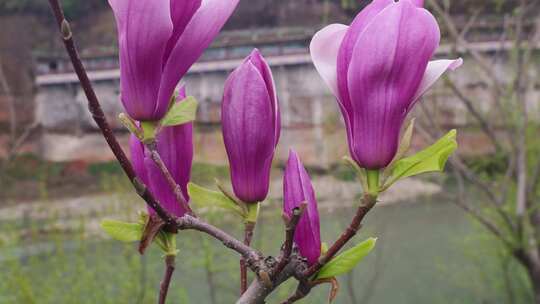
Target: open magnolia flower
{"points": [[377, 68], [159, 40]]}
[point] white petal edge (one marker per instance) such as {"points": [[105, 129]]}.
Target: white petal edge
{"points": [[435, 69], [324, 49]]}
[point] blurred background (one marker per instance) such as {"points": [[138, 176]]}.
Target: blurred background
{"points": [[467, 236]]}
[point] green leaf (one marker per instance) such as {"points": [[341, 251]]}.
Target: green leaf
{"points": [[203, 197], [181, 113], [431, 159], [122, 231], [346, 261]]}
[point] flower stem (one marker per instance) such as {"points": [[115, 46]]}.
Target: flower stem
{"points": [[165, 283], [250, 222], [373, 182]]}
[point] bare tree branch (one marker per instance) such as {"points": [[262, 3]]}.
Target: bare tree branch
{"points": [[187, 221], [290, 229], [166, 282]]}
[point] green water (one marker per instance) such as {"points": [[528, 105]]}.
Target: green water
{"points": [[427, 252]]}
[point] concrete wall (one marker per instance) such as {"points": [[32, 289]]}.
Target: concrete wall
{"points": [[310, 118]]}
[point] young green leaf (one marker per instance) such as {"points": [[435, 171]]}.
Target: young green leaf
{"points": [[431, 159], [203, 197], [122, 231], [346, 261], [181, 113]]}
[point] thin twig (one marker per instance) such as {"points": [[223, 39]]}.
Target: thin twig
{"points": [[99, 117], [460, 202], [290, 229], [455, 33], [248, 235], [305, 286], [259, 289], [469, 104], [177, 190], [368, 201], [186, 222], [166, 282]]}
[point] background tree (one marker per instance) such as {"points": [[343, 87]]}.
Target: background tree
{"points": [[509, 184]]}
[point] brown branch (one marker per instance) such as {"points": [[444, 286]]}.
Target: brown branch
{"points": [[248, 235], [296, 296], [368, 201], [254, 259], [177, 190], [304, 288], [165, 283], [99, 117], [293, 266], [290, 229], [469, 104], [455, 33], [488, 224], [187, 221], [259, 289]]}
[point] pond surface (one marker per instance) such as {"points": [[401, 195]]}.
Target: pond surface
{"points": [[426, 253]]}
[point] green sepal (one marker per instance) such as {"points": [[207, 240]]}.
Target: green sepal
{"points": [[431, 159], [131, 125], [167, 242], [203, 197], [346, 261], [373, 182], [180, 113], [149, 131], [362, 175], [122, 231], [253, 213]]}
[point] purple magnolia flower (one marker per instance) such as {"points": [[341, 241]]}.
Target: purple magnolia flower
{"points": [[297, 189], [377, 68], [159, 40], [251, 127], [175, 146]]}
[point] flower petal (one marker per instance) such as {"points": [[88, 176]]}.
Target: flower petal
{"points": [[297, 188], [419, 3], [144, 28], [324, 50], [197, 36], [136, 148], [181, 13], [260, 63], [248, 132], [161, 189], [383, 77], [359, 24], [434, 71], [175, 146]]}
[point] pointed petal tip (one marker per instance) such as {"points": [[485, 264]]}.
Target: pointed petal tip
{"points": [[324, 49], [456, 64], [434, 71]]}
